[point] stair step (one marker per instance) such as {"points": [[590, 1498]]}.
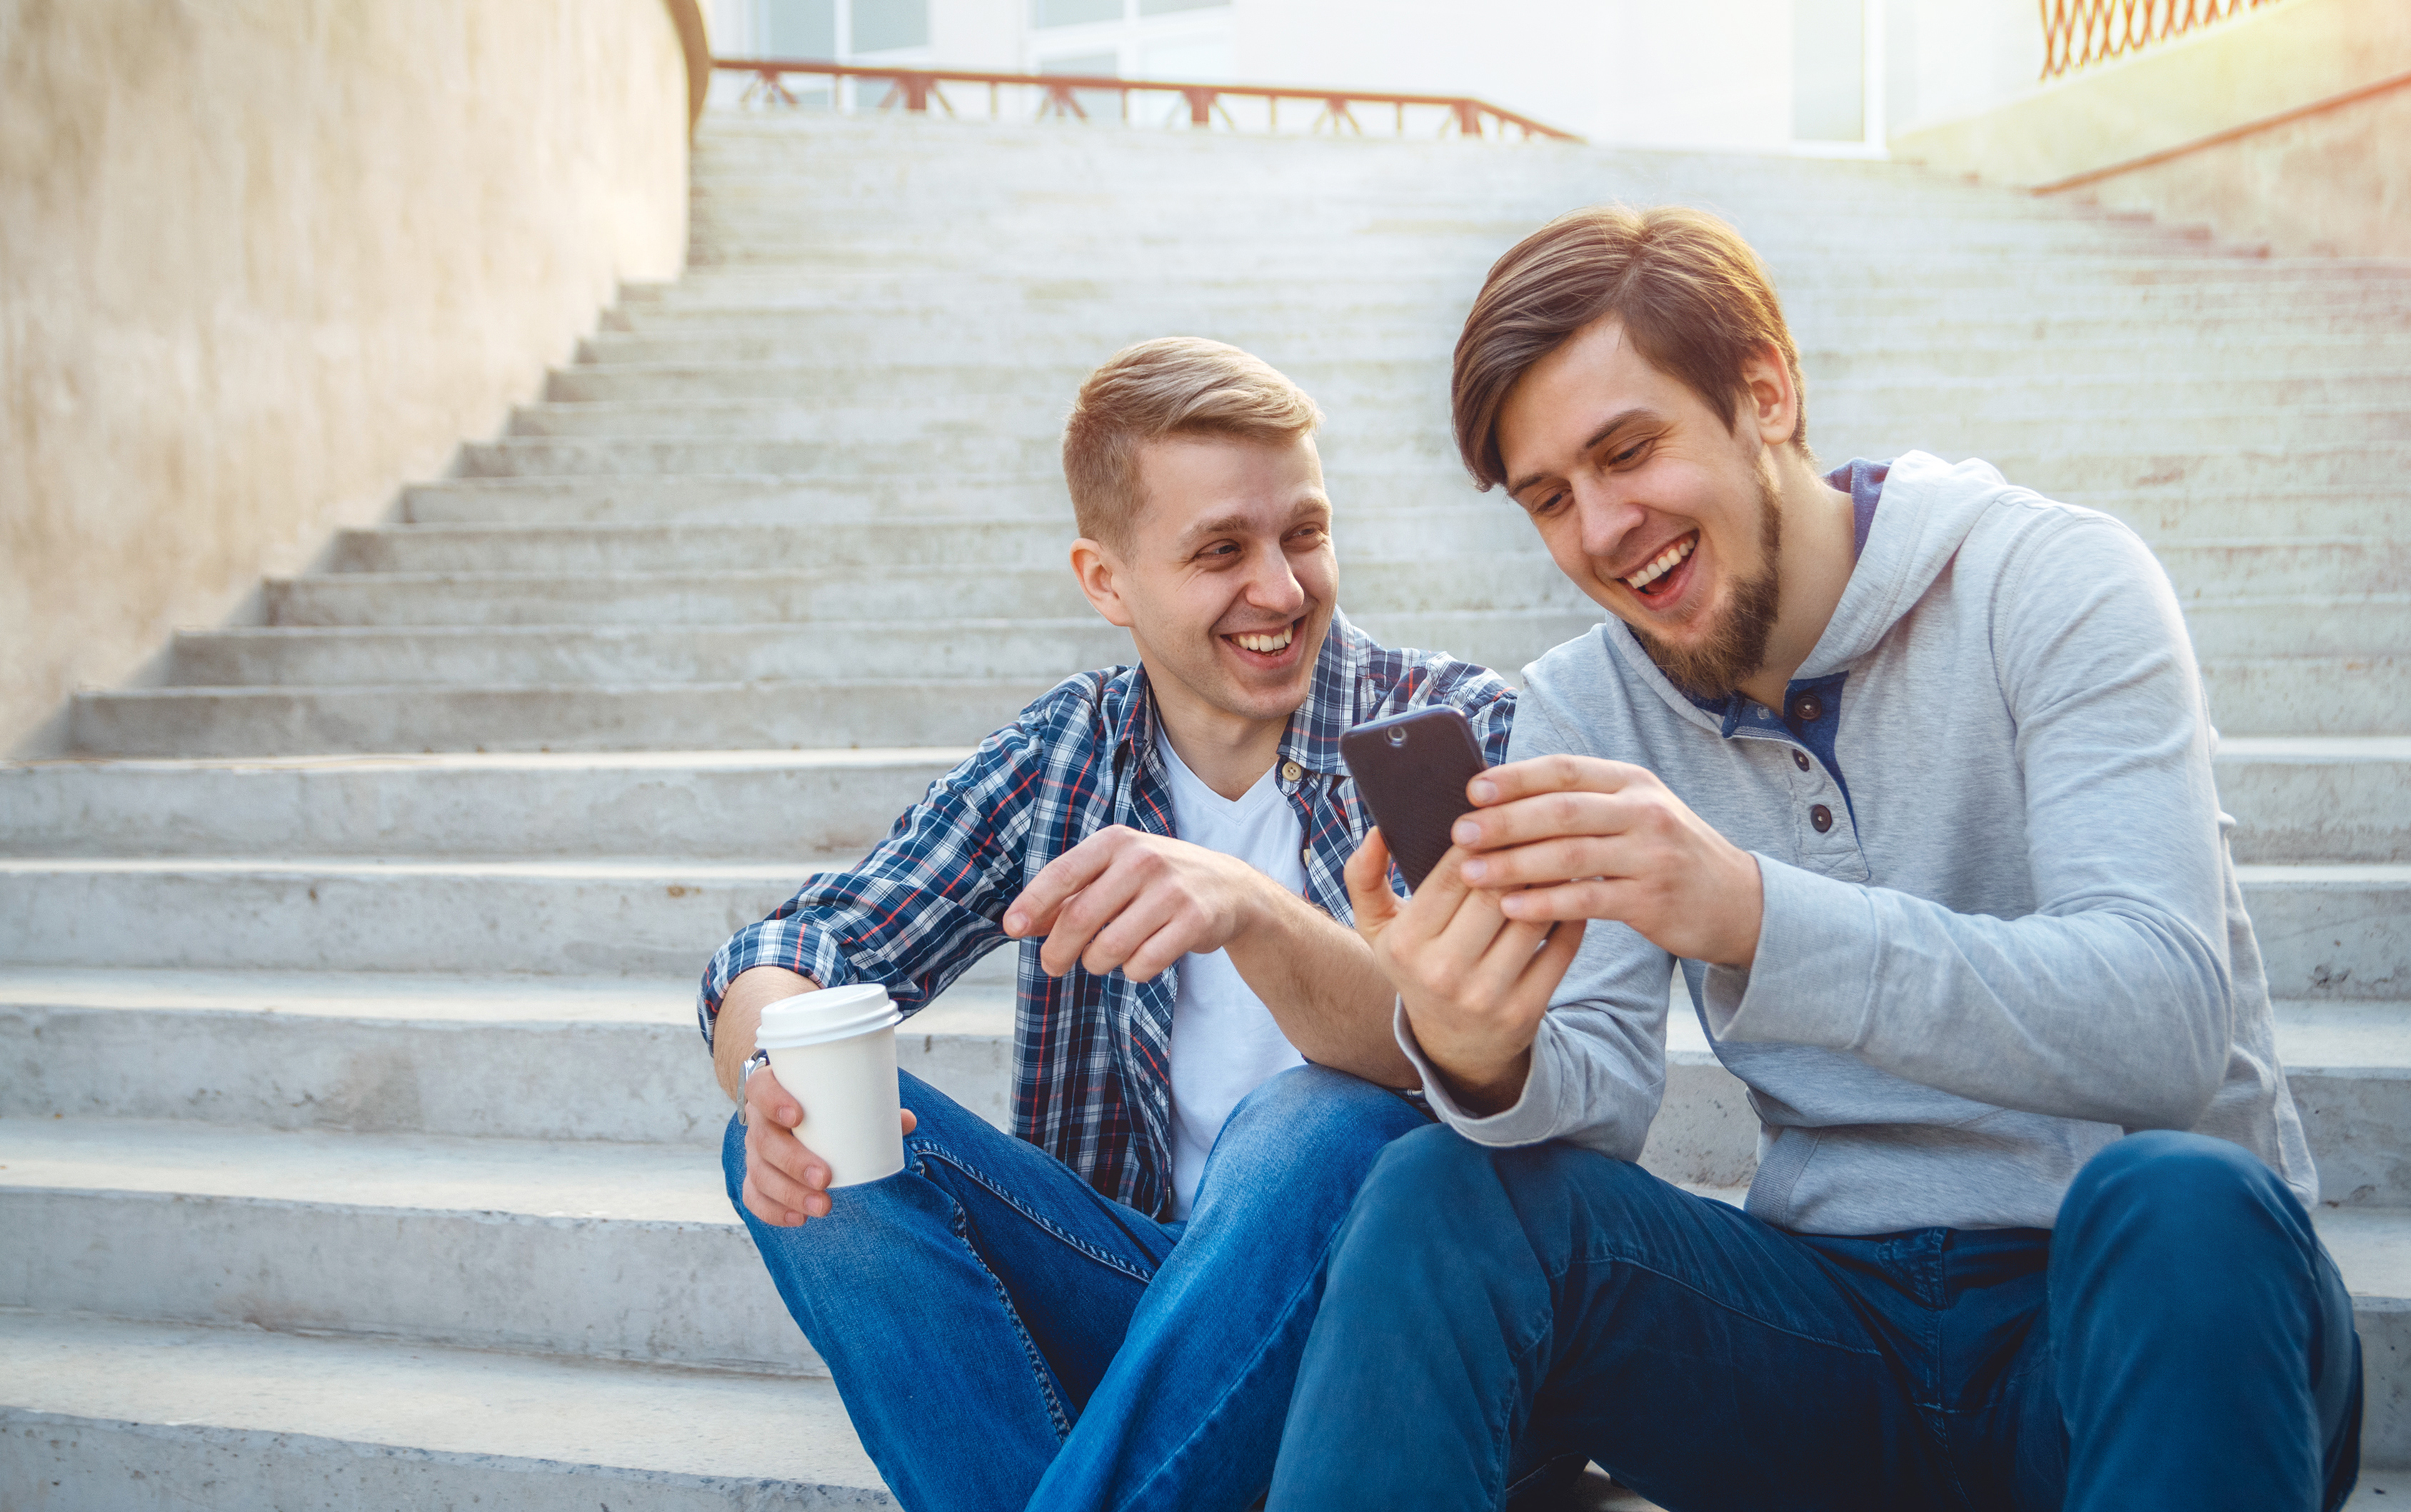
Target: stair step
{"points": [[2295, 799], [2007, 313], [571, 918], [953, 649], [2181, 511], [2312, 623], [2309, 799], [479, 1057], [2010, 348], [1027, 422], [2359, 694], [625, 1252], [694, 803], [2334, 930], [2329, 624], [817, 714], [241, 1417], [103, 1415], [514, 1058], [2248, 696], [1447, 556], [948, 649]]}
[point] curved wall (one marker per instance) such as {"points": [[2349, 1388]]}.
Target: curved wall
{"points": [[2284, 126], [263, 260]]}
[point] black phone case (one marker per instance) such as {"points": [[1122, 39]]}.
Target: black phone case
{"points": [[1411, 770]]}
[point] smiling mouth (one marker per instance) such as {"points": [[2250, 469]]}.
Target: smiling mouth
{"points": [[1267, 644], [1654, 572]]}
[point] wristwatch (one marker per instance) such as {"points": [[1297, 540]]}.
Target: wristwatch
{"points": [[753, 1063]]}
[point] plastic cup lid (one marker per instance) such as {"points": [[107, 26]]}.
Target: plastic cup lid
{"points": [[824, 1016]]}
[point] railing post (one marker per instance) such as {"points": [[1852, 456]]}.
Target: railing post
{"points": [[1201, 107], [917, 91], [1468, 118]]}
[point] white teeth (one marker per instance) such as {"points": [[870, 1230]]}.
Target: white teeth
{"points": [[1662, 563], [1267, 644]]}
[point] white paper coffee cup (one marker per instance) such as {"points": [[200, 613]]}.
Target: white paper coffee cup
{"points": [[835, 1053]]}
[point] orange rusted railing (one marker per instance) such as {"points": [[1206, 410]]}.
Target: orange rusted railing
{"points": [[1140, 100], [2079, 32]]}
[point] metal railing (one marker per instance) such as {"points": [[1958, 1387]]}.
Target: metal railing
{"points": [[1138, 101], [2076, 33]]}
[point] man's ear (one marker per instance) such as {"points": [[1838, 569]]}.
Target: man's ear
{"points": [[1099, 576], [1774, 409]]}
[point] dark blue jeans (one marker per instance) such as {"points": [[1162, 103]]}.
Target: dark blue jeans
{"points": [[2181, 1341], [1004, 1337]]}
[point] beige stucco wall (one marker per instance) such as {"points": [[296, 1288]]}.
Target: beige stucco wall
{"points": [[2335, 181], [261, 261]]}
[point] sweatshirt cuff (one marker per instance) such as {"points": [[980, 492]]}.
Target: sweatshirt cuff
{"points": [[1810, 981], [1528, 1122]]}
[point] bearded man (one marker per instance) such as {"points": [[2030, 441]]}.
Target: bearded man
{"points": [[1908, 771]]}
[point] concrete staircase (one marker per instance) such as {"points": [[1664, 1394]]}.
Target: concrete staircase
{"points": [[356, 1145]]}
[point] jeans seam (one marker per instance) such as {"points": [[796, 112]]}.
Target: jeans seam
{"points": [[1321, 1263], [1715, 1301], [1040, 1371], [1105, 1258], [1502, 1447]]}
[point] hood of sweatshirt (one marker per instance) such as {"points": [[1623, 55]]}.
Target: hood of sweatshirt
{"points": [[1929, 507]]}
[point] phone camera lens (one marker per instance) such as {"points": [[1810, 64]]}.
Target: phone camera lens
{"points": [[1395, 737]]}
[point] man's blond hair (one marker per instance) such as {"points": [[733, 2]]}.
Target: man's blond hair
{"points": [[1174, 386]]}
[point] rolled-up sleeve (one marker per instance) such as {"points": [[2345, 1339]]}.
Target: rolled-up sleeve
{"points": [[924, 904]]}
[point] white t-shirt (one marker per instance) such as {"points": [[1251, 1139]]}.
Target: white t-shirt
{"points": [[1225, 1042]]}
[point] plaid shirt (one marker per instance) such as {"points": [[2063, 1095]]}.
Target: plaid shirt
{"points": [[1092, 1083]]}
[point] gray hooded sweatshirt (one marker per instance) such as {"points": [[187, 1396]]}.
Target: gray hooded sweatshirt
{"points": [[2001, 923]]}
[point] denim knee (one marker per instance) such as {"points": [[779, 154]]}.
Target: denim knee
{"points": [[1322, 1115], [2184, 1176], [2163, 1196], [1432, 1168]]}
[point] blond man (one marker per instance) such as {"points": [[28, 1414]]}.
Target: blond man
{"points": [[1104, 1309]]}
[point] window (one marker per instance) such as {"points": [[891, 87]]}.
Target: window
{"points": [[1829, 70], [884, 25], [1072, 13], [798, 28]]}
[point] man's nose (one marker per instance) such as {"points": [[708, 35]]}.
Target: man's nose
{"points": [[1607, 516], [1274, 586]]}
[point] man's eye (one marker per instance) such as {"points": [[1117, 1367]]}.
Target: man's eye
{"points": [[1547, 507], [1628, 454]]}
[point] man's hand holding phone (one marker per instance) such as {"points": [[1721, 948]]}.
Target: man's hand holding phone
{"points": [[1567, 837], [1474, 981]]}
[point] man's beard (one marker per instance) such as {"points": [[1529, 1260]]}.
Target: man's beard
{"points": [[1735, 645]]}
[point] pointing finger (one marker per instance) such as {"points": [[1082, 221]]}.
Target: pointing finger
{"points": [[1060, 879]]}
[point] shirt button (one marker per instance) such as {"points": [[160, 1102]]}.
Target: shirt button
{"points": [[1822, 818], [1807, 709], [1800, 759], [1292, 771]]}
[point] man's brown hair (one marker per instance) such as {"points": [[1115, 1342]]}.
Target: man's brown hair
{"points": [[1183, 385], [1694, 299]]}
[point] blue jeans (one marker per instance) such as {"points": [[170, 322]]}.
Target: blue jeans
{"points": [[2181, 1341], [1005, 1336]]}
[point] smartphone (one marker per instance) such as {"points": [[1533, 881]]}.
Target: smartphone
{"points": [[1411, 770]]}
